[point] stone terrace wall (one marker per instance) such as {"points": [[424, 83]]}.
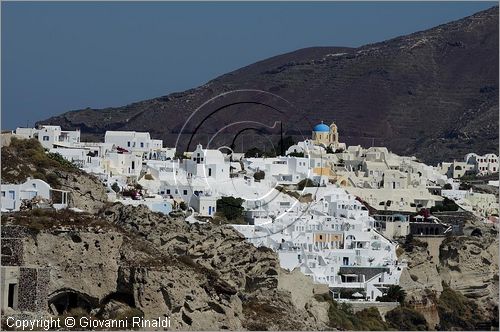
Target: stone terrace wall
{"points": [[33, 281]]}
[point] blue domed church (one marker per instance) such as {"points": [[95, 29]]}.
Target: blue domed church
{"points": [[325, 135]]}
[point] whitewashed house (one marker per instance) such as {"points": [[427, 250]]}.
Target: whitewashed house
{"points": [[12, 195], [77, 156], [163, 170], [122, 163], [130, 140], [50, 136], [392, 226], [482, 165], [205, 163], [204, 204], [456, 169], [154, 203], [343, 251], [483, 205]]}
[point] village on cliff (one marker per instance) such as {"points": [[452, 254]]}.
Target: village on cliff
{"points": [[334, 212]]}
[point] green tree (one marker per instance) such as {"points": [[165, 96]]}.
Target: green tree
{"points": [[393, 294], [464, 186], [254, 153], [230, 207], [447, 205], [456, 312], [180, 155], [306, 183], [115, 187], [406, 319], [259, 175]]}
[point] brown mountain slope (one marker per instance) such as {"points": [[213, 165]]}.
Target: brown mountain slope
{"points": [[433, 94]]}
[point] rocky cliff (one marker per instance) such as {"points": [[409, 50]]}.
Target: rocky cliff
{"points": [[433, 94], [129, 260], [461, 268]]}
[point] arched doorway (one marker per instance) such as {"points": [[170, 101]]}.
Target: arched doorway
{"points": [[65, 300]]}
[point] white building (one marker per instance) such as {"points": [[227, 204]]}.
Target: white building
{"points": [[482, 165], [332, 240], [392, 226], [122, 163], [456, 169], [204, 204], [50, 136], [205, 163], [12, 195], [131, 140], [483, 205], [78, 156], [155, 203]]}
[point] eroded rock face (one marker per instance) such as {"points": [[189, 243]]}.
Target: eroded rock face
{"points": [[203, 277], [217, 249], [470, 266], [86, 192], [467, 264], [87, 262]]}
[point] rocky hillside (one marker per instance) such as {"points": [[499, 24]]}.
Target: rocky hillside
{"points": [[433, 94], [129, 261], [22, 158], [454, 281]]}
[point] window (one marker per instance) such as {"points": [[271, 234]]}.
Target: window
{"points": [[128, 144], [46, 138], [209, 172], [142, 144], [168, 191], [3, 193], [185, 192], [12, 194], [12, 295]]}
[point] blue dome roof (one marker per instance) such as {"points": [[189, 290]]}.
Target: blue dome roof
{"points": [[321, 127]]}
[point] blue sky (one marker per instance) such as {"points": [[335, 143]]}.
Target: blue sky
{"points": [[59, 56]]}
